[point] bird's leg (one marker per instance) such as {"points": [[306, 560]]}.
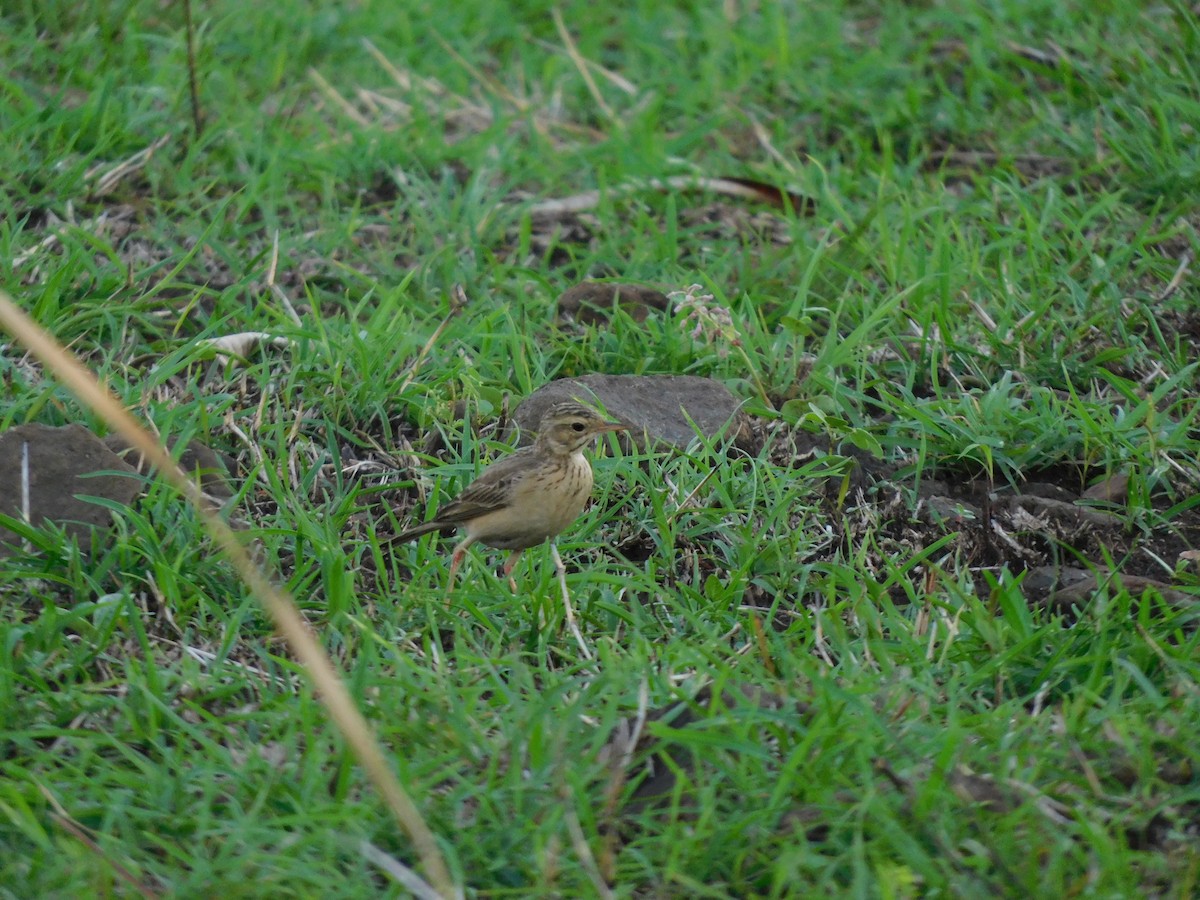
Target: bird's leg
{"points": [[570, 613], [509, 564], [456, 559]]}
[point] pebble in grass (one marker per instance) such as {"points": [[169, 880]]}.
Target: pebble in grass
{"points": [[61, 466], [66, 465], [593, 302]]}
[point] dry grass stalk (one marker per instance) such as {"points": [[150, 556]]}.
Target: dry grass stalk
{"points": [[331, 689]]}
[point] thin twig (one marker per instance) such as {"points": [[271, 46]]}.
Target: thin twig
{"points": [[110, 179], [54, 237], [623, 746], [683, 504], [458, 302], [616, 79], [404, 79], [583, 850], [330, 687], [409, 880], [81, 833], [572, 624], [207, 657], [1177, 279], [275, 288], [193, 78], [495, 86], [581, 65], [341, 102], [589, 200], [25, 504], [764, 141]]}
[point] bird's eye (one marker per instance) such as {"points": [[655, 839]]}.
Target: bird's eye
{"points": [[578, 427]]}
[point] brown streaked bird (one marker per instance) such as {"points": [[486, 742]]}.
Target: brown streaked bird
{"points": [[529, 497]]}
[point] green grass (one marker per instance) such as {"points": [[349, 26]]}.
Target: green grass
{"points": [[1003, 193]]}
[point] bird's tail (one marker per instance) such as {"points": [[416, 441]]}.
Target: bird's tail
{"points": [[416, 531]]}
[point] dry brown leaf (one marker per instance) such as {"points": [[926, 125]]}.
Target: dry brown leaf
{"points": [[239, 346]]}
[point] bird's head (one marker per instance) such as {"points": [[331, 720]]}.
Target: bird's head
{"points": [[569, 426]]}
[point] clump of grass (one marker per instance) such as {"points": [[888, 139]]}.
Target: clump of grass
{"points": [[989, 287]]}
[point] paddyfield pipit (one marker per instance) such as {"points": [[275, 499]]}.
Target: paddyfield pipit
{"points": [[529, 497]]}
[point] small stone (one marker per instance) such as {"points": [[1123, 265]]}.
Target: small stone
{"points": [[197, 459], [592, 302], [63, 463], [1109, 490], [658, 409]]}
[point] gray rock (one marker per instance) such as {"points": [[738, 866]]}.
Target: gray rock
{"points": [[659, 409], [62, 464]]}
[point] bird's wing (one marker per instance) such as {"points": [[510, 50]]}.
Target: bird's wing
{"points": [[476, 500], [489, 492]]}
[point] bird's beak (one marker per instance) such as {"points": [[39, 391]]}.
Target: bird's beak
{"points": [[613, 426]]}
